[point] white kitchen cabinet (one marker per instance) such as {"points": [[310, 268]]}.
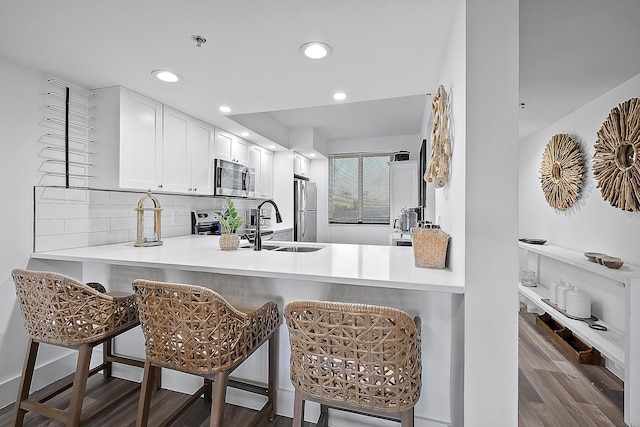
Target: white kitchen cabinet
{"points": [[403, 186], [301, 165], [186, 154], [230, 147], [128, 149], [621, 347], [261, 160], [175, 157], [201, 143]]}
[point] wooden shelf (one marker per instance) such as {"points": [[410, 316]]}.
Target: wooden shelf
{"points": [[611, 343], [623, 275]]}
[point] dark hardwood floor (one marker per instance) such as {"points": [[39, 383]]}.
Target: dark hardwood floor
{"points": [[553, 391]]}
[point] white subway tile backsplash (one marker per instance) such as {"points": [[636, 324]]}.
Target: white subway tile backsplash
{"points": [[123, 223], [46, 227], [127, 199], [99, 197], [108, 237], [77, 217], [61, 241]]}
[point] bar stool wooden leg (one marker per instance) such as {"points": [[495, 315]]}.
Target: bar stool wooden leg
{"points": [[106, 352], [323, 419], [148, 382], [273, 374], [406, 418], [219, 397], [79, 385], [25, 382], [207, 390], [298, 410]]}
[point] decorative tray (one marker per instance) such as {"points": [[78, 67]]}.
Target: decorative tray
{"points": [[591, 321], [534, 241]]}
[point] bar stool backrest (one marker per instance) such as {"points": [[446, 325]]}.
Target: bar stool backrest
{"points": [[191, 328], [57, 309], [358, 355]]}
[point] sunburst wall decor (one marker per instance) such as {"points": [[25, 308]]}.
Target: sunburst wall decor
{"points": [[616, 162], [562, 171]]}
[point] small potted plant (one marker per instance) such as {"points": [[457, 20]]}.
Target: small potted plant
{"points": [[230, 221]]}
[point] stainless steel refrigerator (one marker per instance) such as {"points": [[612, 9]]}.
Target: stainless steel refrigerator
{"points": [[306, 218]]}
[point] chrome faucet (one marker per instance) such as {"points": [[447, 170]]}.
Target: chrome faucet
{"points": [[257, 242]]}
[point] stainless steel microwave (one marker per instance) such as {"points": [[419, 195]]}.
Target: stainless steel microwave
{"points": [[234, 179]]}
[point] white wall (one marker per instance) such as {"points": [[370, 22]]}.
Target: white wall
{"points": [[592, 224], [363, 234], [20, 116], [478, 205]]}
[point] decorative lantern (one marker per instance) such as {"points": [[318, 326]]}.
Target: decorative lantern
{"points": [[155, 238]]}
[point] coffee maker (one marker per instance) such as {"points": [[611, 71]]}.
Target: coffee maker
{"points": [[407, 219]]}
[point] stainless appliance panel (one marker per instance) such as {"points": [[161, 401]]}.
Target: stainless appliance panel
{"points": [[234, 179], [309, 233], [305, 216]]}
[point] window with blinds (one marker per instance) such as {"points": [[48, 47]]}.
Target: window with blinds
{"points": [[359, 188]]}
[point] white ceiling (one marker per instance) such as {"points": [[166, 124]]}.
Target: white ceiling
{"points": [[386, 56]]}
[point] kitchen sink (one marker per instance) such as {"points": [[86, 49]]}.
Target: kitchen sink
{"points": [[298, 249], [277, 248]]}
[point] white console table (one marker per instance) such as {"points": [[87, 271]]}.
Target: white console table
{"points": [[620, 347]]}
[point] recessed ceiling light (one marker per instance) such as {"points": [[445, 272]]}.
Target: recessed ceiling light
{"points": [[312, 154], [166, 76], [339, 96], [245, 134], [272, 146], [315, 50], [225, 109]]}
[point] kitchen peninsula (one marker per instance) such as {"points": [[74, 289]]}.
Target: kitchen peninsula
{"points": [[383, 275]]}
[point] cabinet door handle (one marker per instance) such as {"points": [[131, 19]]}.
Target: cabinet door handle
{"points": [[159, 185]]}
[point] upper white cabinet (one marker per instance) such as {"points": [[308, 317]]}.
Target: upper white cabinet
{"points": [[175, 161], [301, 165], [128, 140], [261, 160], [201, 143], [187, 153], [143, 145], [230, 147]]}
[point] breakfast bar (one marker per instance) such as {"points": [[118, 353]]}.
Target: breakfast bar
{"points": [[381, 275]]}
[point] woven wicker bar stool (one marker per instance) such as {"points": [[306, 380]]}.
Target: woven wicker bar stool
{"points": [[354, 357], [59, 310], [193, 329]]}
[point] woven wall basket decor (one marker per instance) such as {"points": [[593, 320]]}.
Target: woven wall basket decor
{"points": [[562, 171], [616, 162]]}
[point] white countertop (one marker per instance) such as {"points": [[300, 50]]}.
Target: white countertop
{"points": [[382, 266]]}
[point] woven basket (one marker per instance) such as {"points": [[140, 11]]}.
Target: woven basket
{"points": [[429, 247]]}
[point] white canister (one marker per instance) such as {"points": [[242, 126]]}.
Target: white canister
{"points": [[553, 290], [561, 291], [578, 303]]}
